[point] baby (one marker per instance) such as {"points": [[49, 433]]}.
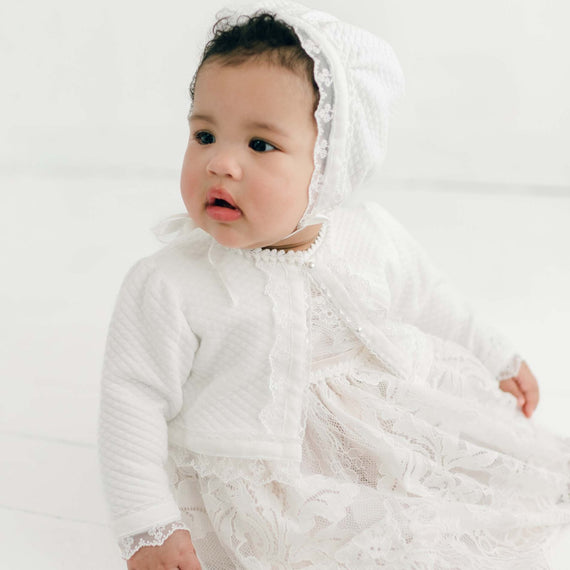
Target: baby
{"points": [[289, 383]]}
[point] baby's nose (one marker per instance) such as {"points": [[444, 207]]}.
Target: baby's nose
{"points": [[225, 162]]}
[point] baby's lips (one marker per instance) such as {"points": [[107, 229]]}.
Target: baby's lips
{"points": [[218, 193]]}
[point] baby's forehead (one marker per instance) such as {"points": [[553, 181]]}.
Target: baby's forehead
{"points": [[266, 64], [252, 94], [252, 69]]}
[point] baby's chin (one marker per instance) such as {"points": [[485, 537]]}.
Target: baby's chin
{"points": [[231, 237], [228, 240]]}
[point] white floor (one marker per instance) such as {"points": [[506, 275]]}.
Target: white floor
{"points": [[70, 241]]}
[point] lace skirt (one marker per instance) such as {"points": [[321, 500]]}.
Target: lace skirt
{"points": [[442, 473]]}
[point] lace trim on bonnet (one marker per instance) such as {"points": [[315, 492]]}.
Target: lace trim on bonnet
{"points": [[324, 116]]}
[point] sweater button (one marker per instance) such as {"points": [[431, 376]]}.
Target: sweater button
{"points": [[311, 264], [358, 329]]}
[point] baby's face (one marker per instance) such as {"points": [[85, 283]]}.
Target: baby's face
{"points": [[249, 159]]}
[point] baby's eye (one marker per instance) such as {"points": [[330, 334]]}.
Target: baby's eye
{"points": [[259, 145], [204, 137]]}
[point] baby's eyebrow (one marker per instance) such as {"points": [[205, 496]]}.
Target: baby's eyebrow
{"points": [[198, 117], [254, 125], [262, 125]]}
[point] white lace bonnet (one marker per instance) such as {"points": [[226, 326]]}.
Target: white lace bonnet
{"points": [[358, 76]]}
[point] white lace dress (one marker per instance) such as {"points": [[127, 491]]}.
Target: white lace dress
{"points": [[444, 474]]}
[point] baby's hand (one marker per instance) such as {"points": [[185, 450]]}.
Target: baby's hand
{"points": [[524, 388], [177, 552]]}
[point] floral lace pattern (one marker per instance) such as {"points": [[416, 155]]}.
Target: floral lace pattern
{"points": [[392, 475]]}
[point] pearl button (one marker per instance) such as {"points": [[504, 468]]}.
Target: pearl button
{"points": [[311, 264], [358, 329]]}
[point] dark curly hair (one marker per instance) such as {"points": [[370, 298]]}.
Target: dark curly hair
{"points": [[262, 37]]}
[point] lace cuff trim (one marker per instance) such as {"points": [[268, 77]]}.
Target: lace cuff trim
{"points": [[154, 536], [511, 368]]}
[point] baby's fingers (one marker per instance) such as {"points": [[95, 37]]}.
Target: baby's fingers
{"points": [[530, 406], [529, 386], [512, 387], [531, 397]]}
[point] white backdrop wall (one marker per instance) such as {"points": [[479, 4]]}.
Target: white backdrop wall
{"points": [[101, 87]]}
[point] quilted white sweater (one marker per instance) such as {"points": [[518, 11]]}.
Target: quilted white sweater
{"points": [[209, 348]]}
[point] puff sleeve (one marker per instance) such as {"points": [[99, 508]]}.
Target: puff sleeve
{"points": [[148, 357]]}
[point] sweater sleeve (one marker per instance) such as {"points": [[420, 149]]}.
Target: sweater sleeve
{"points": [[148, 357], [422, 296]]}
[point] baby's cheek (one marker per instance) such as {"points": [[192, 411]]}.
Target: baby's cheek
{"points": [[191, 201], [189, 184]]}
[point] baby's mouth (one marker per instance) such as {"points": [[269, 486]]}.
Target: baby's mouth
{"points": [[221, 204], [221, 207]]}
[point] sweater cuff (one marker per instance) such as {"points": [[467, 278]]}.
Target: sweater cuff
{"points": [[142, 520], [510, 368], [497, 353]]}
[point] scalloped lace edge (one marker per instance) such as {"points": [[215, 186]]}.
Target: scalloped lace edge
{"points": [[154, 536]]}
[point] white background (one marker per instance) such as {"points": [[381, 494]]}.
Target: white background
{"points": [[103, 85], [93, 99]]}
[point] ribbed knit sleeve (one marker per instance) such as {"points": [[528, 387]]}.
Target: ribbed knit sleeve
{"points": [[148, 357], [422, 296]]}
